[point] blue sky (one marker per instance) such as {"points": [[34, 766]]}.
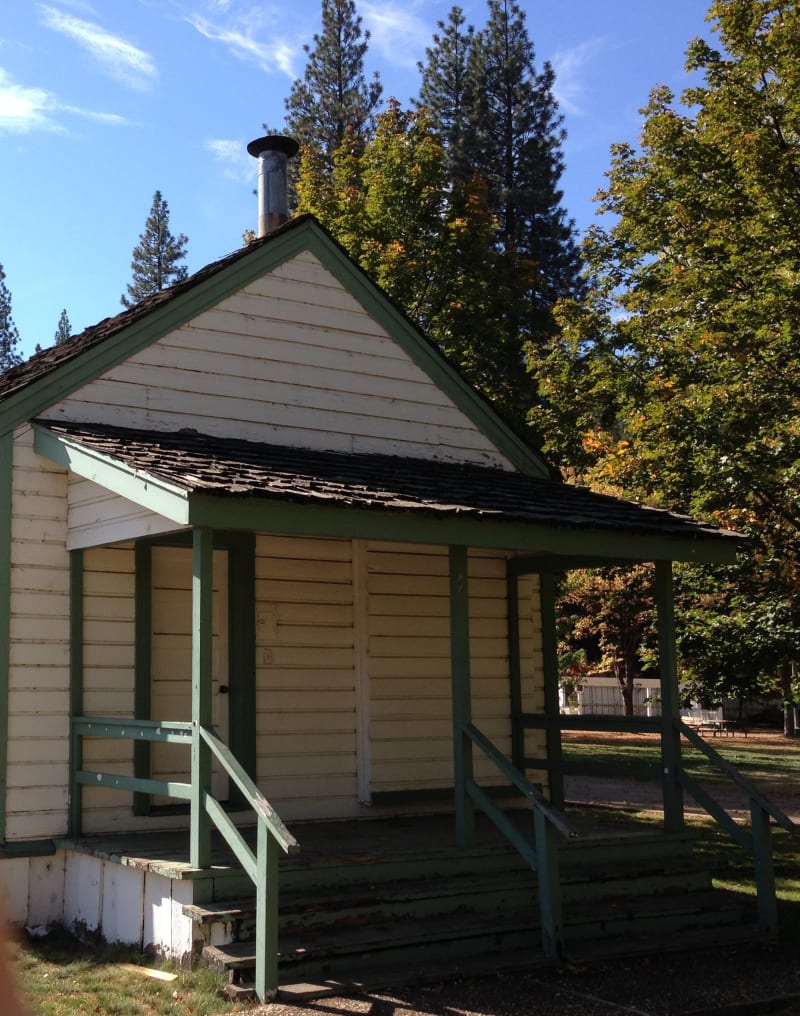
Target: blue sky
{"points": [[103, 103]]}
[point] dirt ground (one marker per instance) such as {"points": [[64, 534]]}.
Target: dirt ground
{"points": [[783, 789], [750, 980]]}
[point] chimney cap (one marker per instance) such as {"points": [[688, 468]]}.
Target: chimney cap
{"points": [[273, 143]]}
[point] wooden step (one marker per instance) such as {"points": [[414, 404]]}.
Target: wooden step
{"points": [[460, 939]]}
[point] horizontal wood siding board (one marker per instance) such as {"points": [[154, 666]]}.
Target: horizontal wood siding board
{"points": [[37, 645], [305, 673], [423, 353]]}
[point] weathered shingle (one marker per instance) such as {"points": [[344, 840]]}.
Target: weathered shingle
{"points": [[228, 468]]}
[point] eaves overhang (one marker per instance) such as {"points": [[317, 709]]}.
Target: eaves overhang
{"points": [[194, 480]]}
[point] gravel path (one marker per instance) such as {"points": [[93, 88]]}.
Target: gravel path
{"points": [[740, 981]]}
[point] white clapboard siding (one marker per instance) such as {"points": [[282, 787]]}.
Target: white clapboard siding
{"points": [[97, 516], [108, 672], [38, 736], [305, 676], [292, 359], [411, 740]]}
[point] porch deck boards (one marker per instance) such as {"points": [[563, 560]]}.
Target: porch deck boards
{"points": [[374, 838]]}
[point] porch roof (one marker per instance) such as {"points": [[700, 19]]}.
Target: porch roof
{"points": [[200, 479]]}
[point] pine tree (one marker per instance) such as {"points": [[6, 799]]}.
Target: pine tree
{"points": [[64, 330], [9, 336], [444, 88], [156, 256], [333, 95], [515, 134], [501, 127]]}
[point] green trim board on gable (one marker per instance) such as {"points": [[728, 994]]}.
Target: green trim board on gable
{"points": [[305, 234]]}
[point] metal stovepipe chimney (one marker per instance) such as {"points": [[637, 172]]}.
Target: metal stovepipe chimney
{"points": [[273, 153]]}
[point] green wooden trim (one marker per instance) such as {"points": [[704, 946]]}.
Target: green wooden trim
{"points": [[28, 848], [550, 895], [202, 613], [514, 668], [381, 797], [233, 837], [670, 703], [423, 527], [765, 869], [737, 832], [614, 724], [461, 694], [163, 731], [547, 594], [157, 495], [267, 888], [242, 650], [142, 666], [6, 474], [522, 844], [75, 685], [115, 781]]}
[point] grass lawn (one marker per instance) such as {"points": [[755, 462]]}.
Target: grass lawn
{"points": [[59, 976]]}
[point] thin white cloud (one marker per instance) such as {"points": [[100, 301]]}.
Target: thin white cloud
{"points": [[249, 35], [114, 55], [25, 109], [398, 34], [233, 157], [571, 67]]}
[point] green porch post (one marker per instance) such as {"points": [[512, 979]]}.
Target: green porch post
{"points": [[547, 595], [670, 705], [462, 701], [202, 591], [142, 665], [75, 686]]}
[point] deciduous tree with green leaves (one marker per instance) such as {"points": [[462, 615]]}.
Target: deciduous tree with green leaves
{"points": [[427, 242], [675, 378], [9, 336], [157, 256]]}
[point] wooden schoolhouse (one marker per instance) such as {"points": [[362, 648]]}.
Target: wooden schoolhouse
{"points": [[276, 581]]}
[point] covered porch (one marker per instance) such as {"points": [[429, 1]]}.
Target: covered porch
{"points": [[189, 495]]}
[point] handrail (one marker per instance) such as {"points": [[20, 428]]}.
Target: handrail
{"points": [[542, 854], [738, 778], [521, 782], [260, 805], [757, 842], [261, 866]]}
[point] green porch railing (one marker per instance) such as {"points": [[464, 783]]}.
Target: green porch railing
{"points": [[756, 842], [260, 866], [541, 853]]}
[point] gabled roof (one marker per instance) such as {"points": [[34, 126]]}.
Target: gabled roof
{"points": [[28, 389], [196, 469]]}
